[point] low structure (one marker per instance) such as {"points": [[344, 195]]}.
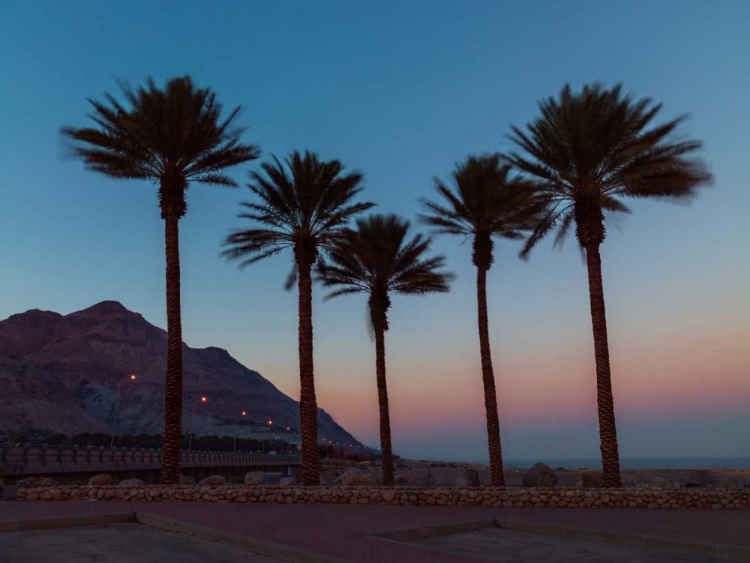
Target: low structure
{"points": [[440, 496]]}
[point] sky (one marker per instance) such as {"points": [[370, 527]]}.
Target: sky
{"points": [[402, 91]]}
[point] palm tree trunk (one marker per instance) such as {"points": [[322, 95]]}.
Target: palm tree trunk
{"points": [[308, 404], [170, 473], [488, 378], [386, 448], [606, 407]]}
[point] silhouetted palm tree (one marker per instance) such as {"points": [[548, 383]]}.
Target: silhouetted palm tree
{"points": [[485, 203], [377, 259], [171, 136], [302, 206], [589, 150]]}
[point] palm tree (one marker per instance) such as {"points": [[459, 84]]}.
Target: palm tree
{"points": [[171, 136], [302, 206], [377, 259], [485, 203], [590, 150]]}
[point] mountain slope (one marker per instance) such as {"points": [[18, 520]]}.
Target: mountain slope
{"points": [[60, 373]]}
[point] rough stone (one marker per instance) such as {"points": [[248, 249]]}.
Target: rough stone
{"points": [[272, 478], [660, 483], [725, 483], [185, 480], [540, 475], [592, 479], [627, 497], [354, 477], [467, 478], [33, 482], [402, 477], [287, 481], [101, 480], [131, 483], [254, 478], [213, 481]]}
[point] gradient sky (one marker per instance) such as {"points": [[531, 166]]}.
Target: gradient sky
{"points": [[401, 91]]}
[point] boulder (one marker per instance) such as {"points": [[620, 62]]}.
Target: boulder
{"points": [[467, 477], [185, 480], [131, 483], [725, 483], [540, 475], [592, 479], [287, 481], [660, 483], [101, 480], [32, 482], [254, 478], [354, 477], [272, 478], [402, 477], [213, 481]]}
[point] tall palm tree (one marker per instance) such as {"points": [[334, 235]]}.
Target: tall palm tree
{"points": [[589, 150], [171, 137], [485, 202], [301, 204], [376, 258]]}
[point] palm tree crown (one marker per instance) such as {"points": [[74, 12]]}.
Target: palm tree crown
{"points": [[302, 206], [377, 259], [172, 136], [589, 150], [485, 202]]}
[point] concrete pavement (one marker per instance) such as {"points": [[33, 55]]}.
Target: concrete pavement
{"points": [[117, 543], [345, 531]]}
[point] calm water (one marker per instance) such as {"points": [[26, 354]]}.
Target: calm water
{"points": [[637, 463]]}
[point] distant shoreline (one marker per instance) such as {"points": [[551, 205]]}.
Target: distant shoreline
{"points": [[675, 463]]}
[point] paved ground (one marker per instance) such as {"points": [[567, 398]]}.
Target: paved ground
{"points": [[495, 544], [117, 543], [343, 530]]}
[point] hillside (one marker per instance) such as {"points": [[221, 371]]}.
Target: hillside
{"points": [[59, 373]]}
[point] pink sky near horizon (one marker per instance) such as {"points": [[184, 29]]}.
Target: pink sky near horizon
{"points": [[681, 377]]}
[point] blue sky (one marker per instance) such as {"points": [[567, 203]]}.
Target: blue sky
{"points": [[401, 91]]}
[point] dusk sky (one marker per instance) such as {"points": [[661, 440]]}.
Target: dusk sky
{"points": [[401, 91]]}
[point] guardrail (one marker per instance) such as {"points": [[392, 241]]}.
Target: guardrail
{"points": [[30, 460]]}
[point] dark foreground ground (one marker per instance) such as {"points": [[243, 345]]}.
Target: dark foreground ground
{"points": [[346, 533]]}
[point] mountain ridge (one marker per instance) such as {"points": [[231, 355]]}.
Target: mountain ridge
{"points": [[59, 373]]}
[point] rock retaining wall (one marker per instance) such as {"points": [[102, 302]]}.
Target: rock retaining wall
{"points": [[441, 496]]}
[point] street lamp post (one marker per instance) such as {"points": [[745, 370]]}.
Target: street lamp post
{"points": [[270, 423], [204, 399], [236, 421], [117, 404]]}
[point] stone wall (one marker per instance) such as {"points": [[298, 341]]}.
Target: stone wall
{"points": [[440, 496]]}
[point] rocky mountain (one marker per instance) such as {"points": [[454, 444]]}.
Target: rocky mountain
{"points": [[59, 373]]}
